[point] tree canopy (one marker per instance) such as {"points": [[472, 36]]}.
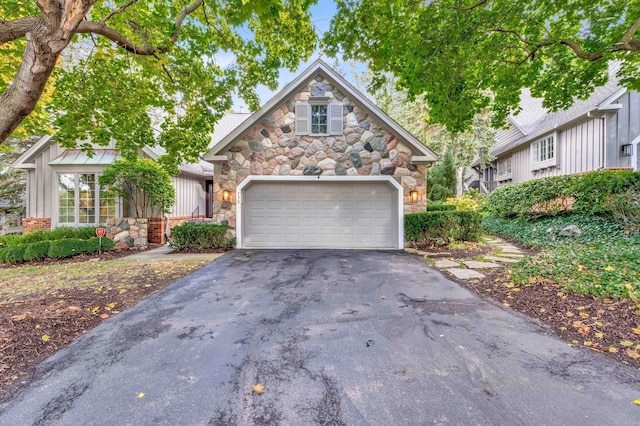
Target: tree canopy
{"points": [[466, 55], [117, 63]]}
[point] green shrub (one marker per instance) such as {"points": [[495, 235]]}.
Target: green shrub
{"points": [[442, 225], [93, 245], [15, 253], [438, 207], [66, 247], [469, 201], [199, 236], [589, 193], [3, 252], [37, 251], [83, 233]]}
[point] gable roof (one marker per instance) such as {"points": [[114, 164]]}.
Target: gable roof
{"points": [[535, 122], [106, 156], [319, 67], [25, 161]]}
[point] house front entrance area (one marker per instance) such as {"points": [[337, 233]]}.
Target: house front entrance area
{"points": [[314, 213]]}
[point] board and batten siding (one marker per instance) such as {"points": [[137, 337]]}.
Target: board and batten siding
{"points": [[191, 198], [578, 149], [623, 127], [41, 188]]}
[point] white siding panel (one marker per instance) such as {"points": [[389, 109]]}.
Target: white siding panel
{"points": [[190, 197], [508, 135]]}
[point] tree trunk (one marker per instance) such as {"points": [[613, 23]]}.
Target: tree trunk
{"points": [[459, 183], [48, 37]]}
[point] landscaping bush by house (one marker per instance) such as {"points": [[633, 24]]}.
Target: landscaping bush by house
{"points": [[602, 260], [442, 226], [59, 249], [36, 251], [437, 207], [83, 233], [190, 236], [592, 193]]}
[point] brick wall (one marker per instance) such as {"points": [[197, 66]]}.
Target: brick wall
{"points": [[155, 232], [30, 224]]}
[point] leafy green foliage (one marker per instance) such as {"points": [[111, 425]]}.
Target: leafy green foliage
{"points": [[181, 63], [442, 225], [436, 207], [143, 182], [593, 192], [67, 247], [441, 179], [465, 55], [36, 251], [94, 245], [470, 201], [602, 261], [14, 253], [190, 236], [83, 233], [57, 245]]}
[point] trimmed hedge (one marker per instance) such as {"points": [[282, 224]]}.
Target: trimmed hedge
{"points": [[36, 251], [60, 249], [83, 233], [591, 193], [200, 236], [436, 207], [442, 225]]}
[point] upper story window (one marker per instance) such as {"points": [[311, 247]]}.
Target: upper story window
{"points": [[319, 118], [504, 168], [543, 152]]}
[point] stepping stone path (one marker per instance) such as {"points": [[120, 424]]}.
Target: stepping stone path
{"points": [[503, 253]]}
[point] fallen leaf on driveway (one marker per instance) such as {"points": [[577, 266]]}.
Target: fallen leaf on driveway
{"points": [[141, 395], [637, 401], [383, 297], [258, 388]]}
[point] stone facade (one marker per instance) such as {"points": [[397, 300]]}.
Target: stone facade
{"points": [[129, 232], [30, 224], [273, 148]]}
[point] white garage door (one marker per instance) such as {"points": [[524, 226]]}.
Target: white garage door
{"points": [[320, 215]]}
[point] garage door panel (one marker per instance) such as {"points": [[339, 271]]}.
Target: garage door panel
{"points": [[319, 215]]}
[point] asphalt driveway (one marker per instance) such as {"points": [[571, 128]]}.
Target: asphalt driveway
{"points": [[335, 337]]}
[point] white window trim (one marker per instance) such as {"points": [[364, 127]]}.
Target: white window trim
{"points": [[318, 102], [56, 204], [551, 162], [505, 176], [315, 102]]}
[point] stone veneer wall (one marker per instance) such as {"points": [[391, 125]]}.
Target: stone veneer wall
{"points": [[273, 148], [128, 232], [30, 224]]}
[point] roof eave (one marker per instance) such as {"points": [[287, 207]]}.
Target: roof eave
{"points": [[319, 67]]}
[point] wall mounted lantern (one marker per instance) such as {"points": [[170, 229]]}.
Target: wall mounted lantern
{"points": [[626, 150], [413, 196], [226, 195]]}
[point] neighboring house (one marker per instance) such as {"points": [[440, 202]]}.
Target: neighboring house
{"points": [[10, 220], [602, 132], [63, 188], [319, 166]]}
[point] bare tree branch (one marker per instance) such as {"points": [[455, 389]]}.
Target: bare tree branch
{"points": [[104, 30], [185, 12], [629, 34], [118, 10]]}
